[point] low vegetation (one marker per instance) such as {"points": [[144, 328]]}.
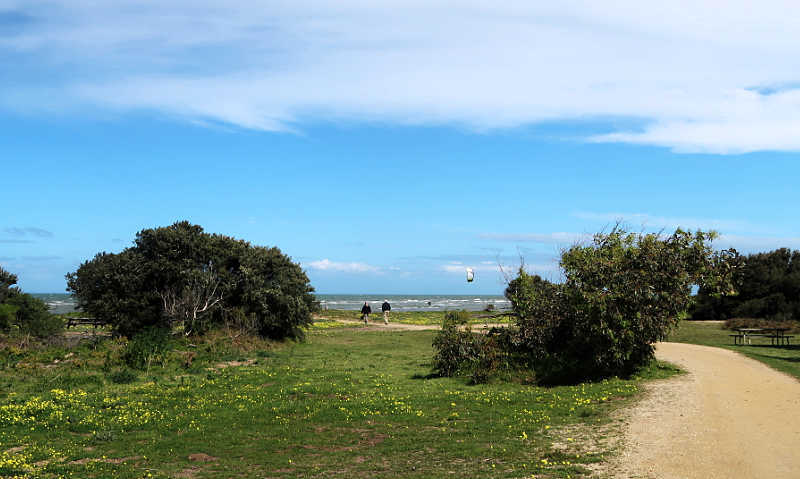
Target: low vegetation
{"points": [[347, 402]]}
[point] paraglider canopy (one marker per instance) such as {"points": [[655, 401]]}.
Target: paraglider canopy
{"points": [[470, 275]]}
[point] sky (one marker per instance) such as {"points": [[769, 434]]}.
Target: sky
{"points": [[387, 146]]}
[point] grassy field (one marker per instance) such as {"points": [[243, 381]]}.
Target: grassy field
{"points": [[412, 317], [784, 358], [348, 402]]}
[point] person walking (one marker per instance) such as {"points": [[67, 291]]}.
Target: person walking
{"points": [[386, 307], [366, 310]]}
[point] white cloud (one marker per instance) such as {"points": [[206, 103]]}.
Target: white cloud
{"points": [[689, 70], [352, 267]]}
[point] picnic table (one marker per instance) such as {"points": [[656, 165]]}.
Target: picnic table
{"points": [[84, 321], [777, 336]]}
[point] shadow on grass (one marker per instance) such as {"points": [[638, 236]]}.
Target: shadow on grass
{"points": [[426, 376], [779, 358], [791, 347]]}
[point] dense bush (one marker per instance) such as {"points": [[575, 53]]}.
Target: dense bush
{"points": [[620, 294], [24, 314], [8, 314], [770, 289], [181, 277], [454, 347], [122, 376], [148, 347], [463, 352]]}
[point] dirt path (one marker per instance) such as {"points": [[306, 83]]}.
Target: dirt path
{"points": [[378, 325], [730, 416]]}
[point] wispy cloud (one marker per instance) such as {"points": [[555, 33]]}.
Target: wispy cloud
{"points": [[345, 267], [649, 221], [702, 75], [28, 231]]}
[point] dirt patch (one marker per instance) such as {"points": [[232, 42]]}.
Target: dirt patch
{"points": [[233, 364], [15, 450], [109, 460], [202, 457], [188, 473]]}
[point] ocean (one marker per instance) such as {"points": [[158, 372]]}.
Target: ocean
{"points": [[64, 303]]}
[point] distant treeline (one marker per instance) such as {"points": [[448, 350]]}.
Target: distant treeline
{"points": [[769, 288]]}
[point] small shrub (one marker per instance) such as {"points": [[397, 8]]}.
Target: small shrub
{"points": [[478, 356], [10, 356], [31, 316], [146, 348], [104, 436], [123, 376], [489, 308], [454, 348], [43, 326], [457, 318]]}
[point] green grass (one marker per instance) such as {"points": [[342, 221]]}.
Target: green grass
{"points": [[784, 358], [412, 317], [347, 403]]}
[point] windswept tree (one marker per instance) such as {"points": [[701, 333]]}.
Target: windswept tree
{"points": [[622, 293], [180, 275]]}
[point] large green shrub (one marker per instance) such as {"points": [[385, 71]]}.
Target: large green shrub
{"points": [[181, 277], [621, 293]]}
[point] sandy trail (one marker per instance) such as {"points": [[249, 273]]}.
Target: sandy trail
{"points": [[730, 416]]}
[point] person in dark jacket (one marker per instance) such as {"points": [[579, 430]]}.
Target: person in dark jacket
{"points": [[386, 307], [366, 310]]}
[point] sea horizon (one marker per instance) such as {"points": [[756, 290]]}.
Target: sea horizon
{"points": [[62, 303]]}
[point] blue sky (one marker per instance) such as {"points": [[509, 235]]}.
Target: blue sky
{"points": [[386, 148]]}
